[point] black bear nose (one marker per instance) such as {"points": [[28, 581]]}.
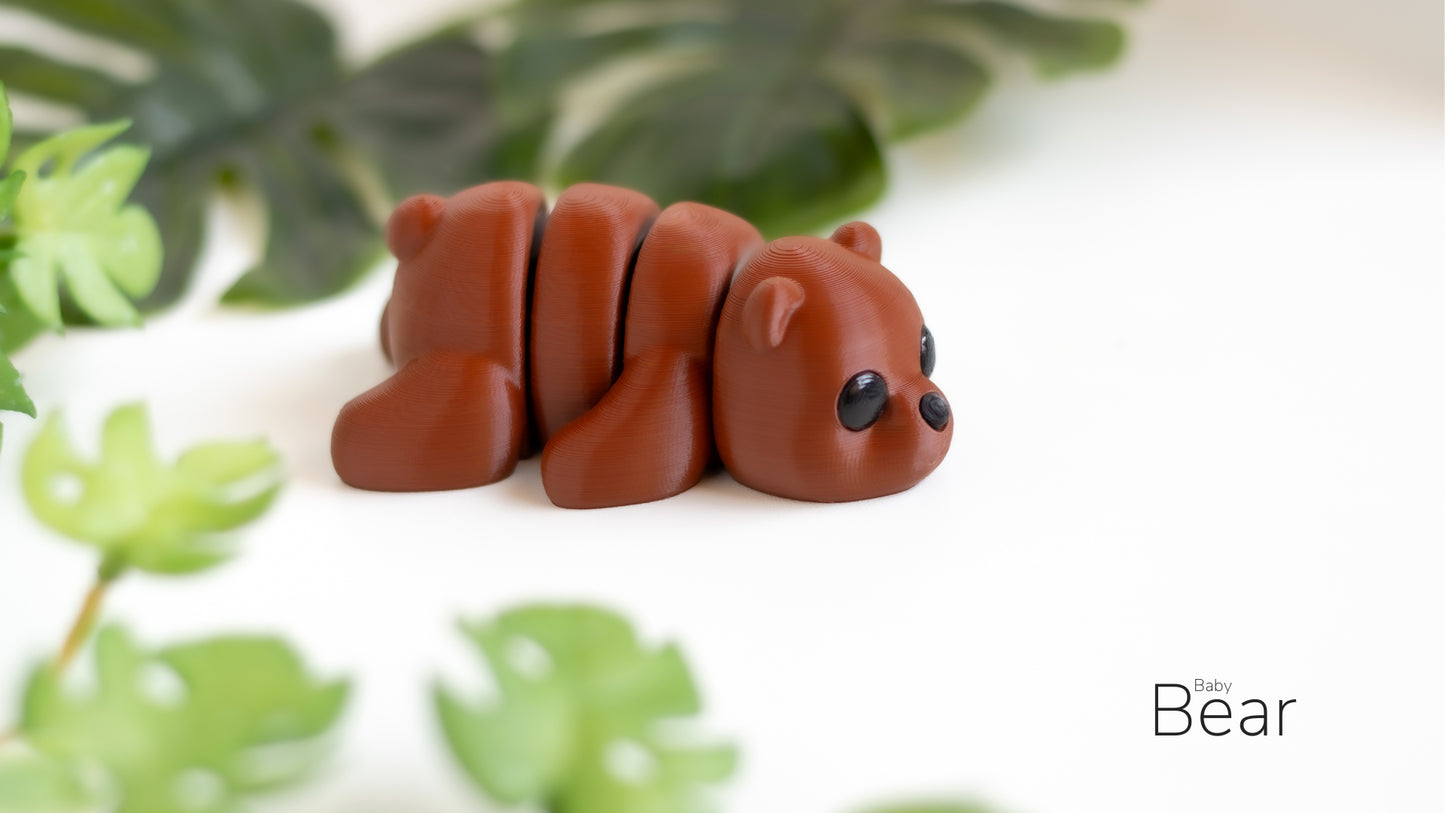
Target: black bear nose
{"points": [[934, 410]]}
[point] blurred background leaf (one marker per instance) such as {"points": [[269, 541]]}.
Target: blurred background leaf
{"points": [[9, 182], [64, 219], [35, 783], [18, 326], [776, 111], [579, 723], [72, 224], [138, 511], [256, 93], [13, 397], [195, 728], [1057, 45]]}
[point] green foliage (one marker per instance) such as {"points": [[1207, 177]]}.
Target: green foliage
{"points": [[9, 190], [776, 110], [13, 397], [788, 157], [1056, 46], [139, 512], [195, 728], [255, 93], [578, 723], [9, 184], [72, 223], [63, 216], [35, 783]]}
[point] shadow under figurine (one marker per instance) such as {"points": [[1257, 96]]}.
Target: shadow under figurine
{"points": [[634, 348]]}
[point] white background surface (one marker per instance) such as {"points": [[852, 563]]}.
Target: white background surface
{"points": [[1189, 319]]}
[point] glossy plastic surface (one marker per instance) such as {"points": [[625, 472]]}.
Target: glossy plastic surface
{"points": [[803, 319], [455, 413], [628, 346]]}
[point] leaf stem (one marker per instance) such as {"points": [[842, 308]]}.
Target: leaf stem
{"points": [[80, 629], [86, 619]]}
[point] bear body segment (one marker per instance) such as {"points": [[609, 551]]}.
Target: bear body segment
{"points": [[634, 347]]}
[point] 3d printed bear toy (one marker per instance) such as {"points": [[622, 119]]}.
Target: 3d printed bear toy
{"points": [[631, 345]]}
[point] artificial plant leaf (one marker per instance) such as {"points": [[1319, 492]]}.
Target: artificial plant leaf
{"points": [[636, 777], [774, 110], [195, 728], [255, 94], [700, 764], [307, 257], [72, 223], [17, 324], [9, 182], [518, 752], [9, 191], [412, 106], [64, 80], [788, 156], [7, 124], [1058, 45], [555, 46], [576, 688], [31, 782], [912, 86], [140, 512], [12, 395]]}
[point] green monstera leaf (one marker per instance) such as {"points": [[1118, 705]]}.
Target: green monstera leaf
{"points": [[196, 728], [9, 183], [31, 782], [255, 94], [63, 218], [1057, 46], [775, 110], [72, 223], [579, 721], [140, 512], [13, 397]]}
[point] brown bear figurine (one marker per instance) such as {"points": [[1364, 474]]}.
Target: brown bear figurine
{"points": [[633, 348]]}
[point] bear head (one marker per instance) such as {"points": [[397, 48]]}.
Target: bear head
{"points": [[821, 385]]}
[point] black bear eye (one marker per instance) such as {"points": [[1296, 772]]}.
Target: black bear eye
{"points": [[862, 400], [927, 355]]}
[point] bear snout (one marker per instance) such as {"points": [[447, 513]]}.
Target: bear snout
{"points": [[934, 409]]}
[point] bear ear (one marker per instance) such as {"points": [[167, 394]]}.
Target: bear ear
{"points": [[412, 224], [769, 309], [861, 238]]}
